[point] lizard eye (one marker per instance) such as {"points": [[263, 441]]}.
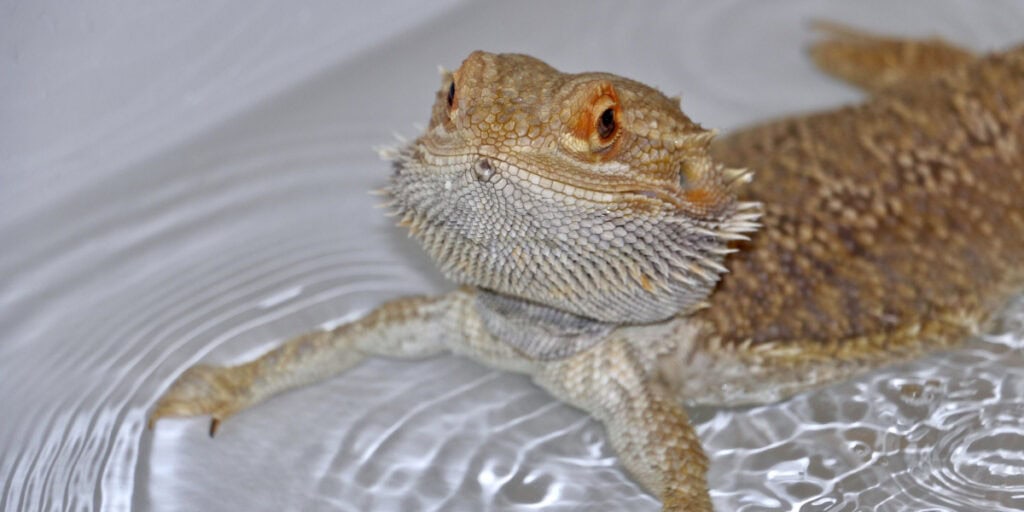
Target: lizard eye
{"points": [[451, 95], [606, 124], [596, 127]]}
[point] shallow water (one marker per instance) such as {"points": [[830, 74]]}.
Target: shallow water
{"points": [[212, 216]]}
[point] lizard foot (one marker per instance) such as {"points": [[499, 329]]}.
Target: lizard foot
{"points": [[204, 389]]}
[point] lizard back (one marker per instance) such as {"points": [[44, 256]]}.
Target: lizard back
{"points": [[902, 214]]}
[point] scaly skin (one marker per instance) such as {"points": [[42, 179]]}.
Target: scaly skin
{"points": [[588, 221]]}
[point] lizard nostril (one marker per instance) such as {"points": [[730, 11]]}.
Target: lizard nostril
{"points": [[483, 169]]}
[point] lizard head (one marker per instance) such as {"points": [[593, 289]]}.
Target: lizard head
{"points": [[589, 193]]}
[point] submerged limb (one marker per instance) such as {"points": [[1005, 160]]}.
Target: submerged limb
{"points": [[646, 425], [875, 62], [618, 382], [409, 327]]}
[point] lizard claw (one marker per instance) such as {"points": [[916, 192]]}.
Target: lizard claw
{"points": [[204, 389]]}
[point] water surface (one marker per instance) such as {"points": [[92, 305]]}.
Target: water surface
{"points": [[212, 210]]}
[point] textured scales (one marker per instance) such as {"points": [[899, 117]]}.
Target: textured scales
{"points": [[591, 223], [514, 189]]}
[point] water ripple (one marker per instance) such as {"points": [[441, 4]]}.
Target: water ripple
{"points": [[966, 456]]}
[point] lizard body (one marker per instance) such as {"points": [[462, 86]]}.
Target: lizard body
{"points": [[605, 243]]}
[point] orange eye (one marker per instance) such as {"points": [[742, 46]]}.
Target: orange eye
{"points": [[599, 123], [595, 128], [448, 102]]}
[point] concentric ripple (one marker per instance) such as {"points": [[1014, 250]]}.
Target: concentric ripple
{"points": [[966, 456], [941, 433]]}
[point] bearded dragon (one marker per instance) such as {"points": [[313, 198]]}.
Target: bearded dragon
{"points": [[620, 254]]}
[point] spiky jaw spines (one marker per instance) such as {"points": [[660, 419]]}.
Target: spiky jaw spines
{"points": [[595, 255]]}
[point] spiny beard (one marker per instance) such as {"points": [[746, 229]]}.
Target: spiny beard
{"points": [[603, 261]]}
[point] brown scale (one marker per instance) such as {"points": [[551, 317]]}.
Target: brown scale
{"points": [[907, 210]]}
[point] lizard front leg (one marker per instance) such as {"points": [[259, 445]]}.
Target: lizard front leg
{"points": [[410, 327], [618, 382], [648, 429]]}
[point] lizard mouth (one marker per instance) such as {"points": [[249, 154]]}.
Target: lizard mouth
{"points": [[490, 168]]}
